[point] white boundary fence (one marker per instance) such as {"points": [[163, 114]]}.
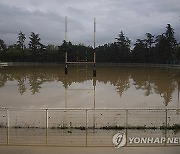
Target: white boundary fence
{"points": [[98, 64], [83, 127]]}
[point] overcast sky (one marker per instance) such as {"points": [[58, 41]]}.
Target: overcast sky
{"points": [[46, 17]]}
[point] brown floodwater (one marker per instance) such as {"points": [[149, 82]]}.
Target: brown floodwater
{"points": [[47, 86]]}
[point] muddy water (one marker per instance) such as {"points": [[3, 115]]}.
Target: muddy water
{"points": [[114, 87], [34, 87], [83, 138]]}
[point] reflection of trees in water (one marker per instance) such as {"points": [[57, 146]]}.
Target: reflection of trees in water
{"points": [[5, 76], [37, 78], [35, 83], [157, 80], [116, 76], [150, 80], [22, 87], [165, 88], [20, 77], [3, 79], [35, 75], [122, 85], [143, 82], [177, 79]]}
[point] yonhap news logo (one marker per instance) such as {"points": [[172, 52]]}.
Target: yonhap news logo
{"points": [[120, 139]]}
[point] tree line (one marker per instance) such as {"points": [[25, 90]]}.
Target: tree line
{"points": [[152, 49]]}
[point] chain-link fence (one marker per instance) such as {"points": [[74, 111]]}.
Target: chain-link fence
{"points": [[84, 127]]}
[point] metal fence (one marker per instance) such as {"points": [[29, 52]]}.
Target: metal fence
{"points": [[140, 65], [83, 127], [98, 64]]}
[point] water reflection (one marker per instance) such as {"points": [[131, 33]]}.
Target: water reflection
{"points": [[126, 80]]}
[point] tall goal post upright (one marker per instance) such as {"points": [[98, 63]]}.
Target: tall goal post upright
{"points": [[94, 67], [66, 65]]}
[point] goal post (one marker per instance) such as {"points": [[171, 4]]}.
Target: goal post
{"points": [[80, 58]]}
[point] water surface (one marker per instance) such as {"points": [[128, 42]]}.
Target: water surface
{"points": [[113, 87]]}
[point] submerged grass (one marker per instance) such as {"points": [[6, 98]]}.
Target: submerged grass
{"points": [[112, 127], [64, 127], [129, 127], [173, 127]]}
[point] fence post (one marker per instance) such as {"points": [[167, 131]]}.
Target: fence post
{"points": [[126, 125], [166, 127], [46, 118], [86, 126], [7, 117], [166, 119], [126, 118], [47, 126], [7, 125]]}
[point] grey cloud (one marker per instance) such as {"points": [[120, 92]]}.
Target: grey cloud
{"points": [[47, 25], [134, 17]]}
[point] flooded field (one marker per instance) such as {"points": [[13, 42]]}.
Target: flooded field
{"points": [[114, 87], [42, 104], [81, 138], [87, 127]]}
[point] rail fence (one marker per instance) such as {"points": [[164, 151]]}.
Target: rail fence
{"points": [[177, 66], [83, 127], [97, 64]]}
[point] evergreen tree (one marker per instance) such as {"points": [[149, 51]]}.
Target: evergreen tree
{"points": [[171, 41], [166, 45], [161, 51], [177, 54], [34, 44], [139, 51], [149, 47], [149, 40], [123, 44], [36, 47], [123, 41], [2, 45], [21, 39], [2, 50]]}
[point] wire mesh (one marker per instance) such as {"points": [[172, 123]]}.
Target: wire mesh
{"points": [[173, 117], [3, 126], [27, 118], [66, 127], [85, 127], [102, 118], [146, 117], [26, 127]]}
